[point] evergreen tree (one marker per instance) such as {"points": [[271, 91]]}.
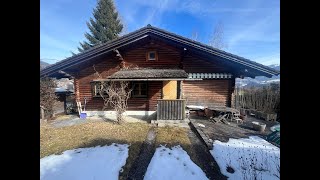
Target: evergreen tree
{"points": [[105, 25]]}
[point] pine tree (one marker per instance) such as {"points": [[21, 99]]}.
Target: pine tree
{"points": [[105, 26]]}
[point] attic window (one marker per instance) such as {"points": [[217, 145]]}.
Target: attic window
{"points": [[152, 56]]}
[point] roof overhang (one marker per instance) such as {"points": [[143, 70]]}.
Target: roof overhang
{"points": [[246, 67], [148, 79], [149, 73]]}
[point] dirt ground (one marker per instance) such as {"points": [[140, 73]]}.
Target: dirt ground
{"points": [[222, 132]]}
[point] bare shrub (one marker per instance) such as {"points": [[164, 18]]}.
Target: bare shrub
{"points": [[265, 99], [47, 95], [115, 94]]}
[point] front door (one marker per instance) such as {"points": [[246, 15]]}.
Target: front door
{"points": [[169, 90]]}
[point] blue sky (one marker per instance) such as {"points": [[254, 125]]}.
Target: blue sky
{"points": [[251, 27]]}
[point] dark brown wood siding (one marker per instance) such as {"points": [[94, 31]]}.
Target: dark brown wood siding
{"points": [[207, 92], [105, 68], [168, 57], [193, 64], [149, 103]]}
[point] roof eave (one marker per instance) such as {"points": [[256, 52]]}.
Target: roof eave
{"points": [[144, 32]]}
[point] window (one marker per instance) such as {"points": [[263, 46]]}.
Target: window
{"points": [[152, 56], [139, 89], [96, 88]]}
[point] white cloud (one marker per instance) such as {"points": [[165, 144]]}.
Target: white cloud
{"points": [[199, 7], [249, 25], [257, 30], [155, 16]]}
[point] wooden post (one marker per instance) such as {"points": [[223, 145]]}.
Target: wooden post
{"points": [[42, 113], [65, 103]]}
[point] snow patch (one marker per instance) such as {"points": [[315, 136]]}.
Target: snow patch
{"points": [[251, 158], [60, 90], [173, 163], [201, 125], [195, 107], [85, 163]]}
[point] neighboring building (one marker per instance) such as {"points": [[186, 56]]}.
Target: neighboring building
{"points": [[64, 100], [159, 65]]}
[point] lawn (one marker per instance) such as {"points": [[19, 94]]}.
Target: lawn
{"points": [[57, 140], [64, 143], [175, 136], [172, 136]]}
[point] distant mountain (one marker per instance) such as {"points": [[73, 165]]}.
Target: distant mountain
{"points": [[259, 80], [275, 66], [43, 64], [64, 84]]}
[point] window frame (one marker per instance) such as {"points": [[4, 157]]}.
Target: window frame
{"points": [[148, 55], [133, 85], [94, 92]]}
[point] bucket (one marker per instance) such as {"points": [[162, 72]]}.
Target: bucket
{"points": [[258, 126], [83, 115]]}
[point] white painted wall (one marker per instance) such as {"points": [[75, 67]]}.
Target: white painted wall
{"points": [[130, 116]]}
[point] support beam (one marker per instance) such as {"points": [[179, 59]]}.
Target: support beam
{"points": [[182, 55]]}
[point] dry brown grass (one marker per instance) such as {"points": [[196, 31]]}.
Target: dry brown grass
{"points": [[172, 136], [61, 117], [56, 140]]}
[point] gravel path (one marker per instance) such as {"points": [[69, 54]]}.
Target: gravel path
{"points": [[73, 120]]}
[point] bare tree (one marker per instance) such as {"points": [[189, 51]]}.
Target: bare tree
{"points": [[194, 35], [217, 38], [114, 94]]}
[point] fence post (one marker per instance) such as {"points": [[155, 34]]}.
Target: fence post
{"points": [[42, 113]]}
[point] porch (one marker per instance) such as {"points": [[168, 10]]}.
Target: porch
{"points": [[152, 90]]}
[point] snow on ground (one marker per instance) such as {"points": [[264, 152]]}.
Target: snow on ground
{"points": [[251, 158], [173, 163], [85, 163]]}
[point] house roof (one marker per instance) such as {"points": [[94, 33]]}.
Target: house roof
{"points": [[63, 91], [149, 74], [260, 70]]}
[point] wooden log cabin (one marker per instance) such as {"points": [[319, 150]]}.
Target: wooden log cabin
{"points": [[160, 66]]}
